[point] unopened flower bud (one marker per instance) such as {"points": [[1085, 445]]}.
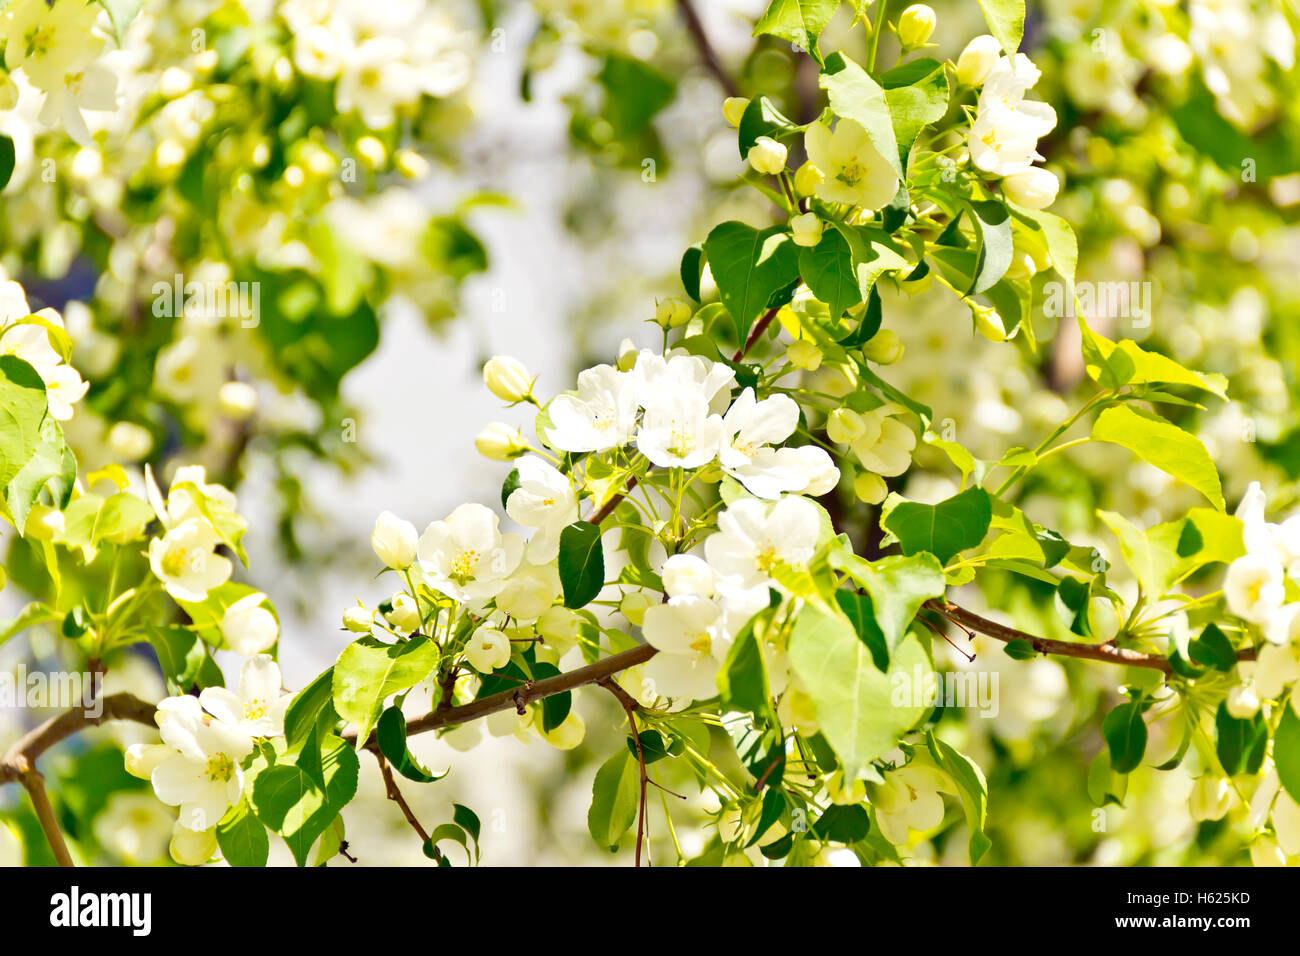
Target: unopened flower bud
{"points": [[767, 156], [870, 488], [977, 59], [508, 379], [844, 426], [883, 348], [733, 108], [804, 354], [672, 313], [807, 179], [915, 25], [357, 618], [807, 229], [500, 442]]}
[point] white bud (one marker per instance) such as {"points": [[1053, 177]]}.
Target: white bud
{"points": [[559, 626], [807, 229], [672, 313], [193, 847], [357, 618], [500, 442], [394, 541], [807, 178], [844, 426], [883, 348], [1212, 797], [248, 627], [870, 488], [977, 59], [767, 156], [804, 354], [915, 25], [1032, 188], [507, 379], [405, 615], [634, 605]]}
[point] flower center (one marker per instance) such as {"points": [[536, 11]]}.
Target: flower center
{"points": [[220, 768], [177, 561], [701, 642], [767, 559], [463, 565], [851, 172], [255, 710]]}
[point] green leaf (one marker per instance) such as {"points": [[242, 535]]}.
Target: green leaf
{"points": [[1212, 649], [229, 525], [1163, 445], [7, 159], [945, 529], [799, 21], [582, 563], [634, 93], [1020, 650], [1286, 751], [751, 268], [972, 790], [842, 823], [615, 798], [468, 820], [369, 671], [1126, 736], [855, 95], [306, 708], [897, 587], [22, 410], [1062, 246], [242, 837], [993, 225], [742, 679], [1241, 744], [51, 465], [862, 711], [691, 270], [873, 252], [289, 801], [1006, 20], [917, 95], [828, 270], [391, 732], [34, 613], [1116, 364]]}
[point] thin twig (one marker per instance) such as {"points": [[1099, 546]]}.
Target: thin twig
{"points": [[35, 784], [395, 794], [629, 706], [759, 328]]}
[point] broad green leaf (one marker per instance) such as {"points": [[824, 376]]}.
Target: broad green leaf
{"points": [[799, 21], [993, 226], [1241, 744], [242, 837], [897, 587], [391, 732], [51, 465], [1286, 752], [289, 801], [855, 95], [306, 708], [742, 679], [691, 271], [873, 252], [1006, 20], [828, 270], [1062, 247], [917, 95], [22, 410], [1126, 736], [862, 711], [582, 563], [1115, 364], [1163, 445], [945, 529], [183, 657], [751, 268], [1213, 649], [972, 790], [615, 798], [369, 671], [635, 92], [842, 823]]}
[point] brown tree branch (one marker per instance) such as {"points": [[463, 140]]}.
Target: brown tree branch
{"points": [[708, 55], [395, 794], [35, 784], [1106, 652]]}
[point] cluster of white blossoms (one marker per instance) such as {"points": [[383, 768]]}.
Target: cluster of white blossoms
{"points": [[1004, 137], [56, 49], [679, 413], [1263, 587], [28, 337], [385, 56], [198, 766]]}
